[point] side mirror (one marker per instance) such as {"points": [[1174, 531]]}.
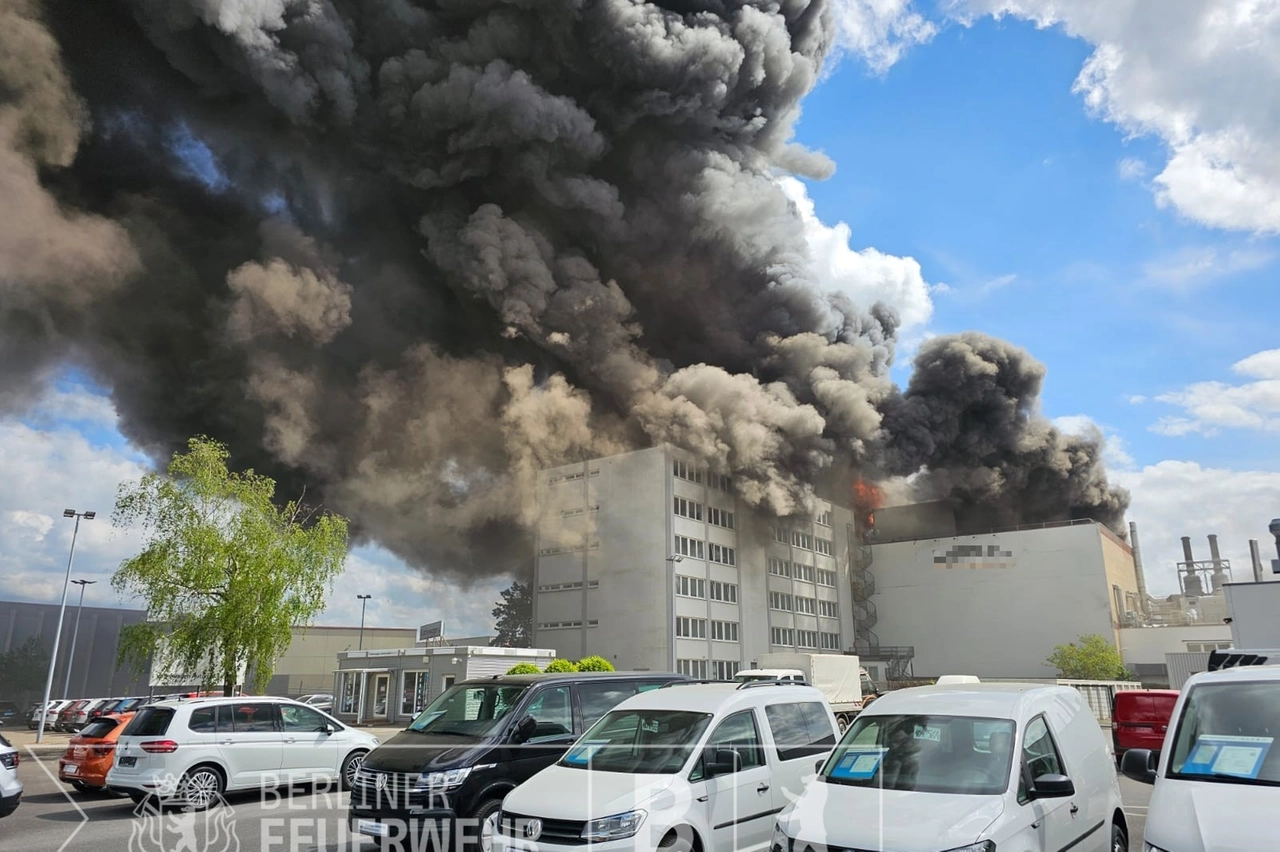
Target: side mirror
{"points": [[524, 730], [1140, 764], [1051, 786], [817, 767], [724, 761], [328, 728]]}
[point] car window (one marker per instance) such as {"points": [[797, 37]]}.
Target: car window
{"points": [[600, 697], [550, 709], [204, 720], [800, 729], [1039, 755], [150, 722], [737, 733], [301, 719], [253, 718], [98, 728]]}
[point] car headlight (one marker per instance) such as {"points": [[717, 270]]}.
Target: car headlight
{"points": [[980, 846], [779, 842], [616, 827], [443, 780]]}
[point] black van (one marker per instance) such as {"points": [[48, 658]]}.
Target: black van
{"points": [[443, 778]]}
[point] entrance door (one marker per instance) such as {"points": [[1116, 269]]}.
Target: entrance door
{"points": [[381, 695]]}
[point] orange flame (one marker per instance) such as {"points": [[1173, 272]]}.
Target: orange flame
{"points": [[866, 497]]}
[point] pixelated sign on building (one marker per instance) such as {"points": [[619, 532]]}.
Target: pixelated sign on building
{"points": [[974, 556]]}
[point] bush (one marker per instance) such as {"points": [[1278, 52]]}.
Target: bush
{"points": [[524, 668], [558, 665], [1093, 657], [594, 664]]}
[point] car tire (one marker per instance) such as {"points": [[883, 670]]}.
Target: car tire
{"points": [[200, 789], [842, 722], [1119, 840], [350, 767], [487, 812]]}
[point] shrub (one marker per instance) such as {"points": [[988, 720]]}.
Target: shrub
{"points": [[594, 664], [558, 665], [524, 668]]}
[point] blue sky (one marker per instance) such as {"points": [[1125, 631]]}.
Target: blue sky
{"points": [[1115, 218]]}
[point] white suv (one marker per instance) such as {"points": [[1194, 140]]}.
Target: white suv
{"points": [[10, 786], [194, 750], [704, 766]]}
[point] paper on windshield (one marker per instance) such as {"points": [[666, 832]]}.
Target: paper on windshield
{"points": [[858, 764], [1219, 754], [583, 752]]}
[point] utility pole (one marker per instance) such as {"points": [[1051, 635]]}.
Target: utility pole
{"points": [[75, 635], [62, 611]]}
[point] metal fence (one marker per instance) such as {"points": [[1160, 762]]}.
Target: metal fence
{"points": [[1099, 694]]}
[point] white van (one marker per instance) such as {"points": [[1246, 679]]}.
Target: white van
{"points": [[688, 765], [1217, 779], [972, 768]]}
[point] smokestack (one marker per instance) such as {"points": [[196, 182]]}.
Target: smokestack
{"points": [[1219, 578], [1137, 569], [1255, 556], [1274, 526], [1191, 585]]}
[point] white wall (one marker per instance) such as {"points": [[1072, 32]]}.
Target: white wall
{"points": [[1254, 609], [998, 621], [1149, 645]]}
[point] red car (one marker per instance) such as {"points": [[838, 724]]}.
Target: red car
{"points": [[1140, 718]]}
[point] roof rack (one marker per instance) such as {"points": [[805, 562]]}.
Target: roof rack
{"points": [[691, 682], [752, 684], [1235, 657]]}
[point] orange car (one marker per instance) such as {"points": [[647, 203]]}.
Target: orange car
{"points": [[90, 752]]}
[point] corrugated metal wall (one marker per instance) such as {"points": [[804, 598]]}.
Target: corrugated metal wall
{"points": [[1182, 666], [488, 666]]}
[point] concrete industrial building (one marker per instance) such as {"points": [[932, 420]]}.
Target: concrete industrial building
{"points": [[650, 561]]}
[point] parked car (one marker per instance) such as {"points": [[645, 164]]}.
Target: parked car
{"points": [[90, 711], [973, 767], [475, 743], [10, 785], [1217, 776], [1140, 719], [91, 752], [194, 750], [320, 701], [10, 712], [56, 705], [694, 766], [67, 715]]}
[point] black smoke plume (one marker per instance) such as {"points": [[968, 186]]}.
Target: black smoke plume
{"points": [[408, 252]]}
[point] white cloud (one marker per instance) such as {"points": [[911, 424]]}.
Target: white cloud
{"points": [[1131, 168], [880, 31], [865, 276], [1210, 407], [1115, 451], [1176, 498], [1194, 267], [1200, 75]]}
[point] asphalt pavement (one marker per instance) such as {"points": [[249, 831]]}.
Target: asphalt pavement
{"points": [[54, 818]]}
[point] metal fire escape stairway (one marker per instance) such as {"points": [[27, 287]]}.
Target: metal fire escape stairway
{"points": [[866, 644]]}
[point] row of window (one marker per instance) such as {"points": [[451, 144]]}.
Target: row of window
{"points": [[823, 546], [696, 587], [569, 513], [830, 641], [703, 669], [573, 548], [720, 517], [570, 477], [784, 602], [698, 549], [824, 518], [721, 554], [557, 625], [696, 628], [690, 547], [688, 509], [692, 510], [684, 470], [828, 609], [800, 571], [560, 587], [803, 540], [789, 637], [727, 592]]}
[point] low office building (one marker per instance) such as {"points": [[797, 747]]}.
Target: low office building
{"points": [[389, 686]]}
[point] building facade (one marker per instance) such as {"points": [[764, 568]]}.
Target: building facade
{"points": [[649, 560]]}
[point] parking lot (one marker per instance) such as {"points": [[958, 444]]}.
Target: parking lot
{"points": [[50, 820]]}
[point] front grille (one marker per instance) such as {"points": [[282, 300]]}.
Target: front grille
{"points": [[566, 832], [375, 790]]}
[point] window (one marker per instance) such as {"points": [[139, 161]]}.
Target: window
{"points": [[724, 669], [803, 572], [689, 547], [809, 606], [1038, 754], [828, 609], [799, 730], [691, 587], [693, 668], [571, 513], [720, 517], [780, 567], [782, 636], [737, 733], [780, 534], [824, 518], [807, 638], [561, 625], [203, 721], [688, 509], [251, 718], [826, 578], [822, 545], [563, 587], [800, 539], [723, 555], [720, 482], [724, 631], [727, 592], [691, 628], [780, 601], [686, 471], [830, 641], [150, 722], [550, 708], [302, 719], [600, 697]]}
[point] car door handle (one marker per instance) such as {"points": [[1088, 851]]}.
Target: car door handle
{"points": [[224, 742], [703, 798], [763, 788], [1035, 824], [1075, 809], [290, 740]]}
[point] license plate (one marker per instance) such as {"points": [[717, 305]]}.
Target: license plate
{"points": [[128, 761], [71, 769], [370, 827]]}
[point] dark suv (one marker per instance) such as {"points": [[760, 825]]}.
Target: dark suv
{"points": [[442, 779]]}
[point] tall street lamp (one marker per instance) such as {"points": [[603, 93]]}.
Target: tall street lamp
{"points": [[364, 600], [75, 634], [62, 611]]}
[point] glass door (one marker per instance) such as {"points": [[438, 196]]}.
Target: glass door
{"points": [[414, 697], [381, 692]]}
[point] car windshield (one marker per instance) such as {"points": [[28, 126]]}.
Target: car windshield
{"points": [[656, 742], [929, 754], [469, 711], [1227, 734]]}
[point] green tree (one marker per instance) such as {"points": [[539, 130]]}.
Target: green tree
{"points": [[1093, 657], [524, 668], [24, 668], [514, 614], [559, 665], [225, 572], [594, 664]]}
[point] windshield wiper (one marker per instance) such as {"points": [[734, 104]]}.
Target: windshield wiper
{"points": [[1224, 778]]}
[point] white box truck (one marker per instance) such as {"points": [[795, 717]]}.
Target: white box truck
{"points": [[839, 677]]}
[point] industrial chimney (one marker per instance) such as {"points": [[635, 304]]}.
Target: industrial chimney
{"points": [[1191, 585], [1143, 604], [1275, 531], [1255, 556], [1219, 577]]}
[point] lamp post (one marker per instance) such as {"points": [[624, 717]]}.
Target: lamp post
{"points": [[364, 600], [62, 611], [75, 634]]}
